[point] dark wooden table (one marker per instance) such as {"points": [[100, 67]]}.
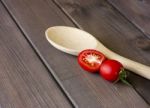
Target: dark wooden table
{"points": [[33, 74]]}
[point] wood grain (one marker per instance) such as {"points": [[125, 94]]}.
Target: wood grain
{"points": [[85, 89], [24, 81], [137, 11], [114, 31]]}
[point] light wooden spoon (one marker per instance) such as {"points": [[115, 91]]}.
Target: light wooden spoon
{"points": [[72, 41]]}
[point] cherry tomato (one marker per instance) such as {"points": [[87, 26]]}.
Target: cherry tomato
{"points": [[90, 60], [110, 70]]}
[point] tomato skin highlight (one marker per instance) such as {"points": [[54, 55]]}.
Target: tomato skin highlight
{"points": [[90, 60], [110, 70]]}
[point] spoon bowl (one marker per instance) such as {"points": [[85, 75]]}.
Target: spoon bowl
{"points": [[72, 41]]}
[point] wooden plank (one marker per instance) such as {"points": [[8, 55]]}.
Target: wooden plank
{"points": [[24, 81], [137, 11], [114, 31], [85, 89]]}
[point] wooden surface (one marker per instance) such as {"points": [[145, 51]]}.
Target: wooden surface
{"points": [[137, 11], [24, 81], [82, 89], [114, 31]]}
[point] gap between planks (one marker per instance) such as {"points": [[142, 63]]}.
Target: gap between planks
{"points": [[117, 9], [46, 65]]}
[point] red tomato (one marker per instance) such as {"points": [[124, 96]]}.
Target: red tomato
{"points": [[90, 60], [110, 70]]}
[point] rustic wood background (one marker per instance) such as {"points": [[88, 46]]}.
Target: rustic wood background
{"points": [[33, 74]]}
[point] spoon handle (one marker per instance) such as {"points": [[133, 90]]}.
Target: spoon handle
{"points": [[131, 65]]}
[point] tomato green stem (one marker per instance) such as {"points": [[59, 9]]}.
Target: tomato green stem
{"points": [[123, 76]]}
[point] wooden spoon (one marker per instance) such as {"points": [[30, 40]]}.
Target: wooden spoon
{"points": [[72, 41]]}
